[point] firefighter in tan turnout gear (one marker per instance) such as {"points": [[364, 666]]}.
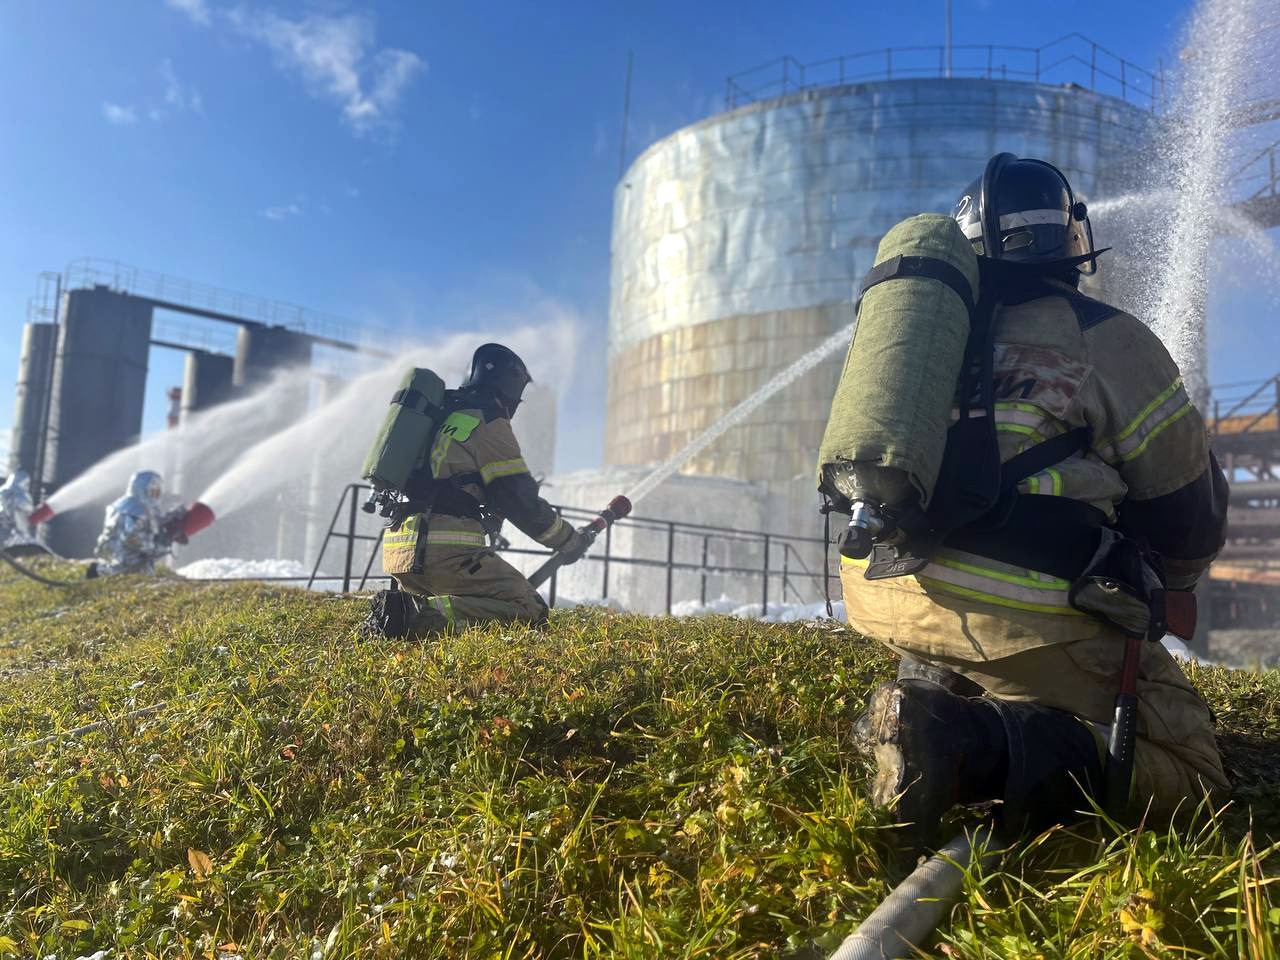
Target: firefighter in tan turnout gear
{"points": [[1013, 618], [475, 479]]}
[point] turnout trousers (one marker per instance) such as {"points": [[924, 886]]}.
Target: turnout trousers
{"points": [[468, 586], [1071, 665]]}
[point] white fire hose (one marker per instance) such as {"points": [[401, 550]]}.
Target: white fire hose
{"points": [[896, 928]]}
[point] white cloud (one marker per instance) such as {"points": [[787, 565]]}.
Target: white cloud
{"points": [[178, 95], [119, 113], [283, 211], [197, 10], [336, 59]]}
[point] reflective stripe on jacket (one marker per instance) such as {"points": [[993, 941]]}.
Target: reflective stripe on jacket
{"points": [[1056, 368], [479, 449]]}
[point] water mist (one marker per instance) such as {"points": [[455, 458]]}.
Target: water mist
{"points": [[1219, 65], [336, 432]]}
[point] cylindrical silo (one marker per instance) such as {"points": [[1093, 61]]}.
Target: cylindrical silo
{"points": [[262, 352], [206, 381], [738, 241], [31, 403], [100, 380]]}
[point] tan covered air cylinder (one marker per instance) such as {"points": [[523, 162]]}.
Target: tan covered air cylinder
{"points": [[892, 408]]}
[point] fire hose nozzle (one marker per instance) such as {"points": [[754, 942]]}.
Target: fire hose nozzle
{"points": [[618, 508], [197, 518], [40, 515]]}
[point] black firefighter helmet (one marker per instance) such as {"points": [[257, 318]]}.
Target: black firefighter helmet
{"points": [[1024, 211], [498, 369]]}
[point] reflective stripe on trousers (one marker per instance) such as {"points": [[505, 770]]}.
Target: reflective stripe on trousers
{"points": [[444, 606], [1012, 587], [456, 538]]}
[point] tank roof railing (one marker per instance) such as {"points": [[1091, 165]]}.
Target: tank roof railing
{"points": [[179, 292], [1071, 59], [1260, 173]]}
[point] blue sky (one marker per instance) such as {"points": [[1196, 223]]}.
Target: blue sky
{"points": [[416, 164]]}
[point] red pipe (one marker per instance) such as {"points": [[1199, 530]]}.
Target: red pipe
{"points": [[41, 514], [198, 517]]}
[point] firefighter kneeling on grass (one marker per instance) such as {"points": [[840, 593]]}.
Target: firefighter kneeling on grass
{"points": [[1075, 499], [475, 478]]}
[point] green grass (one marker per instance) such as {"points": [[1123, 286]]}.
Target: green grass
{"points": [[610, 786]]}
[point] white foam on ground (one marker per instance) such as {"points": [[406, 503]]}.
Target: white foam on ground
{"points": [[1180, 650], [725, 606], [778, 612], [233, 568]]}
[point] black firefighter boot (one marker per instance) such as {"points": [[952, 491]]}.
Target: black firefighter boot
{"points": [[911, 669], [1054, 767], [934, 749], [396, 613]]}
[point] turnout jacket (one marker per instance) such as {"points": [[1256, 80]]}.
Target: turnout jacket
{"points": [[1065, 361], [474, 462]]}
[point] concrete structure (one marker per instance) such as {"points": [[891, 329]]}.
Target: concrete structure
{"points": [[84, 401], [31, 405], [260, 351], [95, 408], [206, 381], [738, 241]]}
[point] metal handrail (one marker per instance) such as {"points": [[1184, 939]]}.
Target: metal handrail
{"points": [[346, 529], [1262, 409], [93, 271], [1270, 178], [789, 75]]}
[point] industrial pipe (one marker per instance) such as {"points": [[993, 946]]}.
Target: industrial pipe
{"points": [[897, 927], [618, 508]]}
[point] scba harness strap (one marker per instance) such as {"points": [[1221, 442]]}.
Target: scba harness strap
{"points": [[977, 507], [906, 266], [417, 400]]}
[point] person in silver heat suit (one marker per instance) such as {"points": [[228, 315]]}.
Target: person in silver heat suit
{"points": [[136, 533], [15, 510]]}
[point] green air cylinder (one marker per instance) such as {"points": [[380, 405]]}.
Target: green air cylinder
{"points": [[892, 408], [407, 429]]}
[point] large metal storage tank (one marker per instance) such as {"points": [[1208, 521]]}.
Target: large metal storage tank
{"points": [[737, 243], [31, 404]]}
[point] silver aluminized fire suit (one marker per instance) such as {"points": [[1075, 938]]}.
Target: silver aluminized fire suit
{"points": [[134, 537], [15, 510]]}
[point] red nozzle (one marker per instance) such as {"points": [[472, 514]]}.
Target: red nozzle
{"points": [[41, 514], [618, 508], [198, 517]]}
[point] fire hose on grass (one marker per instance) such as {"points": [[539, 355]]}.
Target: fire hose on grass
{"points": [[905, 919], [179, 525]]}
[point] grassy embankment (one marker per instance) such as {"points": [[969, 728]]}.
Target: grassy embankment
{"points": [[612, 786]]}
